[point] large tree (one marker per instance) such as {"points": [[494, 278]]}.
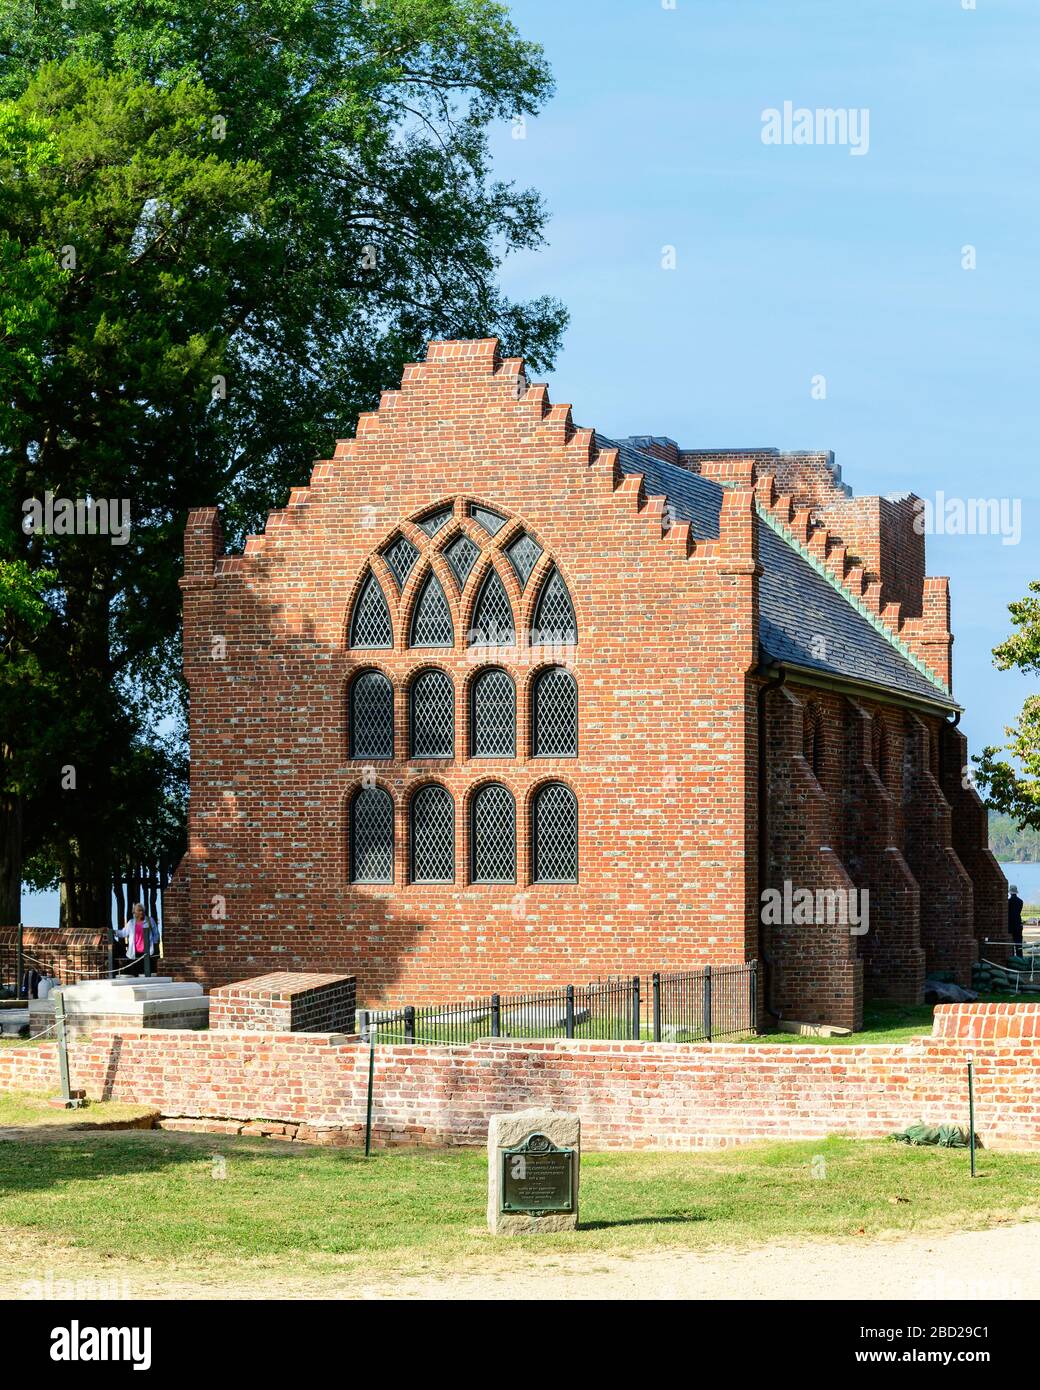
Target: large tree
{"points": [[1012, 785], [223, 230]]}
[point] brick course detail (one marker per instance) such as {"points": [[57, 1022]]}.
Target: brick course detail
{"points": [[285, 1002], [628, 1095]]}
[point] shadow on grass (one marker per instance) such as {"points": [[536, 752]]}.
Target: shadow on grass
{"points": [[677, 1219]]}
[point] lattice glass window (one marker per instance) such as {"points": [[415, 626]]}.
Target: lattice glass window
{"points": [[554, 617], [431, 621], [433, 836], [401, 556], [493, 616], [491, 521], [554, 721], [493, 715], [524, 553], [372, 837], [433, 716], [370, 625], [371, 716], [461, 556], [493, 835], [436, 521], [554, 835]]}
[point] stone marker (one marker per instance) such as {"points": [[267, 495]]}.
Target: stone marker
{"points": [[533, 1161]]}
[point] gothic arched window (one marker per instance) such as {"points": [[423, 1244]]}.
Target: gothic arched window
{"points": [[554, 620], [432, 834], [493, 835], [492, 616], [493, 715], [371, 716], [812, 739], [431, 621], [554, 716], [370, 624], [372, 836], [432, 719], [554, 835]]}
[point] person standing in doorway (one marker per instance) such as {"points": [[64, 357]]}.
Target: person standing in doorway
{"points": [[141, 935], [1015, 918]]}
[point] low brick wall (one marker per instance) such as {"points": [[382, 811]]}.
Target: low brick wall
{"points": [[286, 1002], [629, 1095], [69, 955]]}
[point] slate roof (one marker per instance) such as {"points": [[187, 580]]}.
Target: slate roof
{"points": [[804, 618]]}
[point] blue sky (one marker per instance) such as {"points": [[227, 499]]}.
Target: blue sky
{"points": [[793, 261]]}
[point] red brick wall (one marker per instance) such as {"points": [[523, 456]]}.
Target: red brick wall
{"points": [[667, 634], [68, 955], [627, 1094]]}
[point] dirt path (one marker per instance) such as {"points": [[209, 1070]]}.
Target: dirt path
{"points": [[1000, 1263]]}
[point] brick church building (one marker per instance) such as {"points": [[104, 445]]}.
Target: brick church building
{"points": [[496, 702]]}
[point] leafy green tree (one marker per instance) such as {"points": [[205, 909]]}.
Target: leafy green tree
{"points": [[1013, 787], [223, 230]]}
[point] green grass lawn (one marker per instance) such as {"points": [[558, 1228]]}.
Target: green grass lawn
{"points": [[884, 1022], [179, 1200], [24, 1109]]}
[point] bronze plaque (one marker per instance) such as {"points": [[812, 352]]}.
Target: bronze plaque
{"points": [[537, 1177]]}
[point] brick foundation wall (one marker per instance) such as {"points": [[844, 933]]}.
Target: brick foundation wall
{"points": [[286, 1002], [661, 1096], [79, 1025]]}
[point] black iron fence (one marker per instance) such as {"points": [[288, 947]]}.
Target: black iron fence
{"points": [[688, 1006]]}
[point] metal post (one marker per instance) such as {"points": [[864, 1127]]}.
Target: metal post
{"points": [[706, 1011], [111, 951], [368, 1109], [569, 1012], [147, 949], [636, 1012], [496, 1016], [409, 1024], [753, 997], [657, 1006], [971, 1110], [19, 962], [63, 1048]]}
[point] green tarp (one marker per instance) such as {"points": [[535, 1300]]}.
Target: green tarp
{"points": [[946, 1136]]}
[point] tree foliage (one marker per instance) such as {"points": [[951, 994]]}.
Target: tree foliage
{"points": [[223, 230], [1012, 785]]}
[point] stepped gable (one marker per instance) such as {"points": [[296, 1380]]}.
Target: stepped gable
{"points": [[805, 616]]}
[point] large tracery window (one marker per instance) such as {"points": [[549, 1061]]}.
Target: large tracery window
{"points": [[371, 717], [554, 620], [433, 835], [554, 835], [432, 721], [493, 715], [431, 621], [372, 836], [554, 714], [493, 835], [370, 624], [493, 615]]}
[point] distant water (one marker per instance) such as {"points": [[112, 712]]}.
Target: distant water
{"points": [[44, 909], [1026, 878]]}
